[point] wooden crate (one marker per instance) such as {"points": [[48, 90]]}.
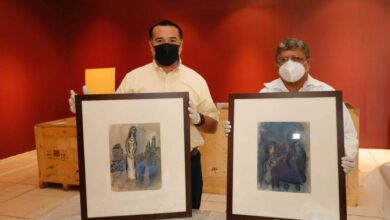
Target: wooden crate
{"points": [[56, 144], [214, 159]]}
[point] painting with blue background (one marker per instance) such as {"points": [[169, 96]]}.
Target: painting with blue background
{"points": [[283, 156]]}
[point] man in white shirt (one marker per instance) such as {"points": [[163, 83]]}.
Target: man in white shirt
{"points": [[292, 57], [166, 73]]}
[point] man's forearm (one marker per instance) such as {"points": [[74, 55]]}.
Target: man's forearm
{"points": [[209, 125]]}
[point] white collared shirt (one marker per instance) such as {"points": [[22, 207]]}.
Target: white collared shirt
{"points": [[152, 78], [311, 84]]}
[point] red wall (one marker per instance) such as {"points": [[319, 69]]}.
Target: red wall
{"points": [[33, 73], [231, 43]]}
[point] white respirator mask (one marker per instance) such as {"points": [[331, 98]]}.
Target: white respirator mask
{"points": [[291, 71]]}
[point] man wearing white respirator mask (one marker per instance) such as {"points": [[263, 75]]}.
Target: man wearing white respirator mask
{"points": [[292, 57]]}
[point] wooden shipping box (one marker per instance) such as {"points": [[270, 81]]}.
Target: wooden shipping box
{"points": [[214, 158], [56, 144]]}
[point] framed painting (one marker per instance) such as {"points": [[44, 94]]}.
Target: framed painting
{"points": [[134, 154], [284, 156]]}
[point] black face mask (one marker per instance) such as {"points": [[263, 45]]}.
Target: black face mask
{"points": [[166, 54]]}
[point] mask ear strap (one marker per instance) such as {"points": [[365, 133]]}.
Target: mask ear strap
{"points": [[308, 65], [180, 47], [152, 48]]}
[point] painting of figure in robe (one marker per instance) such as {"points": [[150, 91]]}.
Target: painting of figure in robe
{"points": [[135, 156], [283, 162]]}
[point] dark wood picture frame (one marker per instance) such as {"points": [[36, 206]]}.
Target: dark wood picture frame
{"points": [[338, 150], [180, 100]]}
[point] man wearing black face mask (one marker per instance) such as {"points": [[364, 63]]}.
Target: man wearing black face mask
{"points": [[167, 74]]}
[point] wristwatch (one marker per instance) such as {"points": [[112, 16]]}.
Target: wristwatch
{"points": [[201, 122]]}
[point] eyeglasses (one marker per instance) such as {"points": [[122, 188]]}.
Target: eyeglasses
{"points": [[282, 60]]}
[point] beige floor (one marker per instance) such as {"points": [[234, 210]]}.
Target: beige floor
{"points": [[21, 197]]}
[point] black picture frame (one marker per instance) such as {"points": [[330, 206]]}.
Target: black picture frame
{"points": [[168, 112], [253, 116]]}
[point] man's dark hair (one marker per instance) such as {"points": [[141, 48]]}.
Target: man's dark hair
{"points": [[165, 23], [291, 44]]}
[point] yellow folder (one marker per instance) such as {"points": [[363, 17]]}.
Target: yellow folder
{"points": [[100, 80]]}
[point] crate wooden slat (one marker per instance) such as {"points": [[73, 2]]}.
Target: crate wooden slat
{"points": [[56, 144]]}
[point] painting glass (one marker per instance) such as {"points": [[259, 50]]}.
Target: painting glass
{"points": [[283, 162], [135, 156]]}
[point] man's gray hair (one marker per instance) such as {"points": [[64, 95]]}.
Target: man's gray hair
{"points": [[291, 44]]}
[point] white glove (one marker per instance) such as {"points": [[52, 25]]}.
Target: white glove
{"points": [[194, 115], [85, 90], [348, 163], [72, 101], [227, 127]]}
